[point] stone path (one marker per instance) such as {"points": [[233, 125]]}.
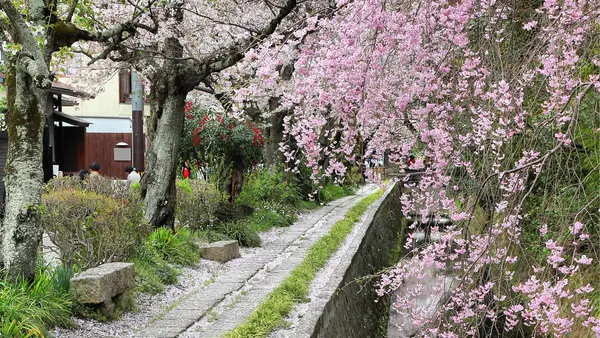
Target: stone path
{"points": [[214, 309]]}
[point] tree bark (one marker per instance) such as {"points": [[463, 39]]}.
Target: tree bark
{"points": [[165, 128], [237, 178], [274, 155], [21, 228]]}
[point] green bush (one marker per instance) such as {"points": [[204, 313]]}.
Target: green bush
{"points": [[231, 212], [263, 220], [91, 228], [269, 215], [28, 309], [270, 185], [152, 272], [197, 203], [331, 192], [176, 248], [240, 231]]}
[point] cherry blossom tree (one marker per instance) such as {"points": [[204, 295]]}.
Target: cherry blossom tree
{"points": [[194, 40], [499, 95], [35, 31]]}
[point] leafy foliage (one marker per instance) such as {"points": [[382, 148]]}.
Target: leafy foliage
{"points": [[273, 214], [331, 192], [84, 225], [270, 185], [177, 248], [152, 272], [240, 231], [209, 137], [30, 309], [197, 203]]}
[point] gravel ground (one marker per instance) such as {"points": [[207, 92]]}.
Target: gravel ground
{"points": [[148, 306]]}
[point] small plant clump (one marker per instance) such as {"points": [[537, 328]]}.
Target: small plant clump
{"points": [[29, 309]]}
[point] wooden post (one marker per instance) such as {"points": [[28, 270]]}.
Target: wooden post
{"points": [[137, 117]]}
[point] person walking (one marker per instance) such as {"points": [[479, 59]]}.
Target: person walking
{"points": [[132, 175], [186, 172]]}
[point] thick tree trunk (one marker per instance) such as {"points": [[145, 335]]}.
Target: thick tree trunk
{"points": [[21, 228], [166, 124]]}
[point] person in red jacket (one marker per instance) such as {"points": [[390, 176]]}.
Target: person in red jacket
{"points": [[186, 172]]}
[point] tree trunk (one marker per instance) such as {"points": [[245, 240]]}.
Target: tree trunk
{"points": [[21, 228], [165, 128], [237, 179], [274, 155]]}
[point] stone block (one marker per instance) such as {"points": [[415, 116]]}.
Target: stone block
{"points": [[222, 251], [101, 284]]}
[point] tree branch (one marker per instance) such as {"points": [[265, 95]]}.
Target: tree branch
{"points": [[71, 10], [68, 33], [31, 54], [228, 57]]}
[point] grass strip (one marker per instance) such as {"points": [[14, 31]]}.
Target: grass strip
{"points": [[270, 314]]}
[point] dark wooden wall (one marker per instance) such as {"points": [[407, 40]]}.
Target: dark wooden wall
{"points": [[70, 149], [99, 147]]}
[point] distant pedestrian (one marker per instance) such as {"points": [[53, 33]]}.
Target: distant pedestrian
{"points": [[186, 172], [94, 169], [132, 175], [83, 173]]}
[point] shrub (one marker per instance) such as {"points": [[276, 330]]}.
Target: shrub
{"points": [[269, 215], [197, 203], [28, 309], [152, 276], [270, 185], [353, 178], [177, 248], [231, 212], [240, 231], [98, 184], [90, 229], [331, 192]]}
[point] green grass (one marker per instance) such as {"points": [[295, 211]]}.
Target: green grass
{"points": [[331, 192], [241, 232], [30, 309], [156, 260], [263, 220], [294, 289], [303, 206]]}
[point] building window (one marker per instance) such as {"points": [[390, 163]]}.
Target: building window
{"points": [[124, 86]]}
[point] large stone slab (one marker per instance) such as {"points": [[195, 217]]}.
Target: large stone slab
{"points": [[100, 284], [221, 251]]}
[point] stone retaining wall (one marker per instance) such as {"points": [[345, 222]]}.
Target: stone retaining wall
{"points": [[347, 308]]}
